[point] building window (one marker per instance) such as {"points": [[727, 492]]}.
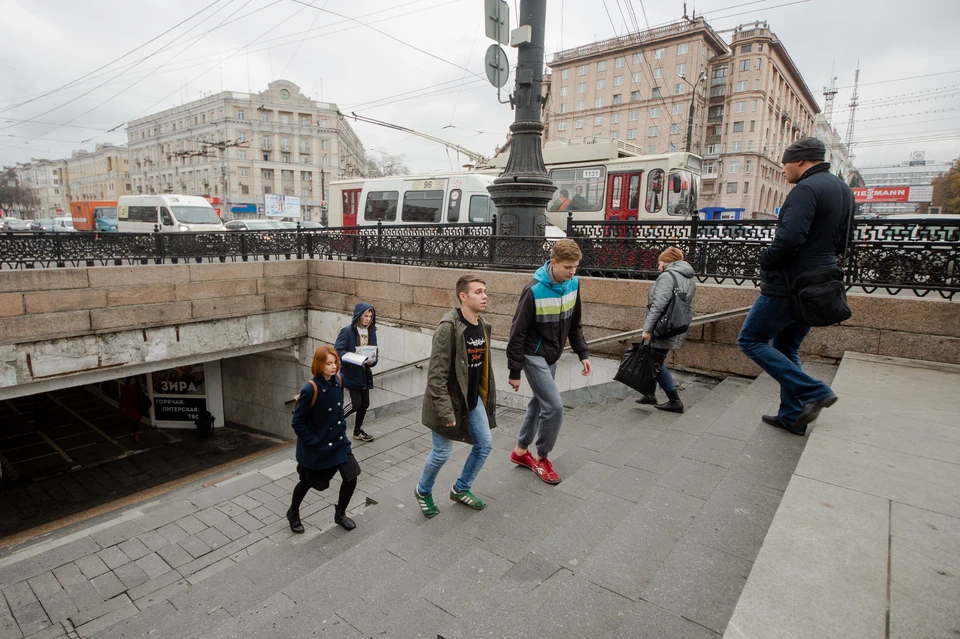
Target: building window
{"points": [[651, 149], [753, 125], [286, 158], [564, 91], [562, 125], [241, 137], [602, 65], [745, 65], [564, 74], [677, 109], [267, 189], [638, 58], [617, 98], [682, 49], [563, 107], [759, 63], [323, 123], [267, 174], [266, 156], [242, 155], [747, 168], [658, 73], [614, 135], [732, 187], [709, 168], [601, 83], [655, 94], [740, 107], [598, 103], [659, 53], [738, 127], [631, 134], [287, 175], [682, 68], [578, 124], [241, 114], [675, 128], [634, 115], [753, 106], [244, 172], [634, 96], [264, 117], [746, 188], [582, 69], [304, 159], [303, 146], [615, 118], [652, 132], [756, 84], [619, 62], [598, 120], [284, 119], [743, 85], [678, 88], [733, 167], [747, 48], [582, 87], [735, 147], [579, 105], [324, 161], [654, 112]]}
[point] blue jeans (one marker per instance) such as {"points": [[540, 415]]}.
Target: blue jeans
{"points": [[664, 378], [544, 415], [769, 322], [442, 447]]}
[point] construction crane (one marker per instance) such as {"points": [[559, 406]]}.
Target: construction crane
{"points": [[828, 95], [479, 160], [853, 113]]}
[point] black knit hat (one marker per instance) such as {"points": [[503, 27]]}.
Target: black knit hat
{"points": [[805, 149]]}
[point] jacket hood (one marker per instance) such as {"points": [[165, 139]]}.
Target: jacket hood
{"points": [[543, 276], [360, 309], [680, 268]]}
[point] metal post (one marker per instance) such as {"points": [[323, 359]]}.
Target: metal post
{"points": [[523, 191], [323, 197], [693, 105]]}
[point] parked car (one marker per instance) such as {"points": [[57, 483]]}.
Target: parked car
{"points": [[44, 225], [310, 224], [15, 224], [63, 225], [252, 225]]}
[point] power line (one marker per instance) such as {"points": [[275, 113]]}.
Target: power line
{"points": [[911, 77], [913, 93]]}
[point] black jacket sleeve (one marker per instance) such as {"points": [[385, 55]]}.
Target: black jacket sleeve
{"points": [[522, 319], [795, 220], [577, 343]]}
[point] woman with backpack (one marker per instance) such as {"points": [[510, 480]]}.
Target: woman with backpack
{"points": [[359, 337], [676, 279], [323, 448]]}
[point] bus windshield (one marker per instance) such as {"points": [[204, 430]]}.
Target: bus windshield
{"points": [[682, 193], [578, 189], [195, 215]]}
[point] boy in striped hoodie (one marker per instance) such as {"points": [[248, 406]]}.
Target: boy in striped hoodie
{"points": [[547, 314]]}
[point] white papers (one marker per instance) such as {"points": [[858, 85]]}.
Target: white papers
{"points": [[354, 358], [370, 352]]}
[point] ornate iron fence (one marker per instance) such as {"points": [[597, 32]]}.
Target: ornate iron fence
{"points": [[892, 256]]}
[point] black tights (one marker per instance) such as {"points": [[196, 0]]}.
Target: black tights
{"points": [[360, 398], [346, 493]]}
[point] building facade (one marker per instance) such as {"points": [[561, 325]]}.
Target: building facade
{"points": [[47, 180], [99, 175], [841, 164], [239, 146], [637, 87], [918, 171], [751, 103]]}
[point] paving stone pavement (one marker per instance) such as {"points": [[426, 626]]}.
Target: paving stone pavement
{"points": [[652, 533]]}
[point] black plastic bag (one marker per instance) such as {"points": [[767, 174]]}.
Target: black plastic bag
{"points": [[639, 368]]}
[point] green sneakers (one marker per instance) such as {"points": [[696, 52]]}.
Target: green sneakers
{"points": [[467, 498], [427, 507]]}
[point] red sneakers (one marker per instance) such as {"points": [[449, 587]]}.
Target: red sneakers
{"points": [[543, 468], [546, 472], [526, 459]]}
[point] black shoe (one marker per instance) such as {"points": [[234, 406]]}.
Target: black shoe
{"points": [[673, 406], [774, 420], [344, 522], [650, 400], [812, 410], [295, 524], [361, 436]]}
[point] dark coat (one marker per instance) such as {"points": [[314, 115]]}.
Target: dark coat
{"points": [[322, 440], [445, 398], [811, 230], [357, 377]]}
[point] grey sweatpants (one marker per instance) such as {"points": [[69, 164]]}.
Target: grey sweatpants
{"points": [[545, 411]]}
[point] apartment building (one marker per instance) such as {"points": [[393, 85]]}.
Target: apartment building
{"points": [[47, 180], [637, 87], [240, 146], [99, 175], [758, 104]]}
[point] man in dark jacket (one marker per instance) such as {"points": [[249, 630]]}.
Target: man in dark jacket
{"points": [[548, 312], [811, 233], [460, 401]]}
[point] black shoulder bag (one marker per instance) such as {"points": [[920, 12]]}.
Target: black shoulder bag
{"points": [[673, 321]]}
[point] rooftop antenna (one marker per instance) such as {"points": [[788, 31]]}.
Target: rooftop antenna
{"points": [[829, 93]]}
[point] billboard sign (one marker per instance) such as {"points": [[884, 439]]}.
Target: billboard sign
{"points": [[282, 206], [874, 194]]}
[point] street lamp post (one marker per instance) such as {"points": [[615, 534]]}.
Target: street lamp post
{"points": [[693, 105]]}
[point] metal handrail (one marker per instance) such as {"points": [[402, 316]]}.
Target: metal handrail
{"points": [[619, 337]]}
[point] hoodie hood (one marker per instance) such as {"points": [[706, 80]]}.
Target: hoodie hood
{"points": [[359, 310], [543, 276], [680, 268]]}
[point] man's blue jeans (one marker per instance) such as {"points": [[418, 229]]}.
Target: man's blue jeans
{"points": [[771, 338], [442, 447]]}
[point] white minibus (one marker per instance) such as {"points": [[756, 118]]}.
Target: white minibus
{"points": [[173, 213]]}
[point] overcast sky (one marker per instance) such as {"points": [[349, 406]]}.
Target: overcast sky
{"points": [[241, 45]]}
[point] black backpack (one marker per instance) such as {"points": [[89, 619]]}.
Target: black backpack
{"points": [[673, 321]]}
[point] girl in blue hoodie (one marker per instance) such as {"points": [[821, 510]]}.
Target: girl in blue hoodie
{"points": [[358, 379]]}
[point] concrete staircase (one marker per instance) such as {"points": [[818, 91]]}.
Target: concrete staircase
{"points": [[652, 533]]}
